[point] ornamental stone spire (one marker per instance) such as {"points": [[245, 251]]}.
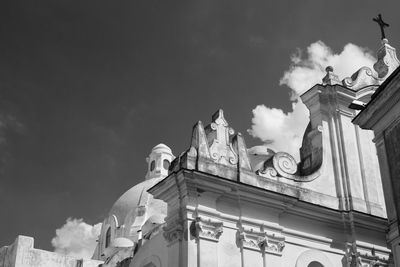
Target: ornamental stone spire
{"points": [[218, 135], [386, 63], [387, 60]]}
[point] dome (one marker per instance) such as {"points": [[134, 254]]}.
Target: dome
{"points": [[161, 148], [135, 197]]}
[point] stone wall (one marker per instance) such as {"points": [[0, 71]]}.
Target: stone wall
{"points": [[23, 254]]}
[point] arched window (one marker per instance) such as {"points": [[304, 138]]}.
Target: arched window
{"points": [[152, 165], [108, 237], [166, 164], [315, 264], [313, 258]]}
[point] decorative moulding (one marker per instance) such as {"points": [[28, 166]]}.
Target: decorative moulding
{"points": [[364, 77], [282, 164], [313, 255], [218, 135], [387, 60], [206, 228], [366, 259], [260, 241], [174, 231]]}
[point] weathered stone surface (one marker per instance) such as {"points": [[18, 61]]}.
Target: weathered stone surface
{"points": [[23, 254], [382, 115]]}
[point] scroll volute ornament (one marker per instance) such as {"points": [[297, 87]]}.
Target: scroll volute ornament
{"points": [[284, 165]]}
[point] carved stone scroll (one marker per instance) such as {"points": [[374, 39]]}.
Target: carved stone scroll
{"points": [[362, 78], [284, 165]]}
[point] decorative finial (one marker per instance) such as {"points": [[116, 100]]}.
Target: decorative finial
{"points": [[218, 135], [381, 24], [330, 78]]}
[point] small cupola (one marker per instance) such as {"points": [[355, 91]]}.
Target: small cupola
{"points": [[159, 161]]}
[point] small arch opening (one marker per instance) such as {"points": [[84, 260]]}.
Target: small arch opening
{"points": [[315, 264], [152, 165]]}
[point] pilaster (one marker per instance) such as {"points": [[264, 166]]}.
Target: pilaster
{"points": [[206, 232], [346, 152]]}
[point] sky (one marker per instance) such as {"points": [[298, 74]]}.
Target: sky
{"points": [[87, 88]]}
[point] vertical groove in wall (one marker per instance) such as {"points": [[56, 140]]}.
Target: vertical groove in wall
{"points": [[361, 160]]}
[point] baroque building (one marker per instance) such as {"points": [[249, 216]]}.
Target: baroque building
{"points": [[221, 204], [382, 115]]}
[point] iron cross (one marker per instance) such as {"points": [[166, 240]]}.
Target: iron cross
{"points": [[382, 24]]}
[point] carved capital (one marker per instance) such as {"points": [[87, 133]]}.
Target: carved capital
{"points": [[174, 231], [206, 228], [261, 241], [357, 259]]}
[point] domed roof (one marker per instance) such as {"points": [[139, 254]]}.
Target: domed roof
{"points": [[134, 197], [161, 148]]}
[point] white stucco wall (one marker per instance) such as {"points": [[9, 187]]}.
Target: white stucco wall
{"points": [[23, 254]]}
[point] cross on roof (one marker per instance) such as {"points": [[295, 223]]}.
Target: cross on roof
{"points": [[381, 24]]}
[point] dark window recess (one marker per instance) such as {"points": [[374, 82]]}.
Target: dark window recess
{"points": [[152, 165], [108, 237], [315, 264], [166, 164]]}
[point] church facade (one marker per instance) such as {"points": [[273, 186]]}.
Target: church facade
{"points": [[221, 204], [382, 115]]}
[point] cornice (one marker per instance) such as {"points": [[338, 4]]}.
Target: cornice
{"points": [[194, 181], [385, 97], [206, 228]]}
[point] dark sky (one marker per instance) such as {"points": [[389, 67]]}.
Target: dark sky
{"points": [[87, 88]]}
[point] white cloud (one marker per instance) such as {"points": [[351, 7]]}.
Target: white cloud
{"points": [[281, 131], [76, 238], [284, 131], [306, 72]]}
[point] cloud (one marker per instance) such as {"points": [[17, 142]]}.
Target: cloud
{"points": [[284, 131], [306, 72], [76, 238], [279, 130]]}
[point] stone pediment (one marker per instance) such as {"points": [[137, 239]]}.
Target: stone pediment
{"points": [[216, 149]]}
